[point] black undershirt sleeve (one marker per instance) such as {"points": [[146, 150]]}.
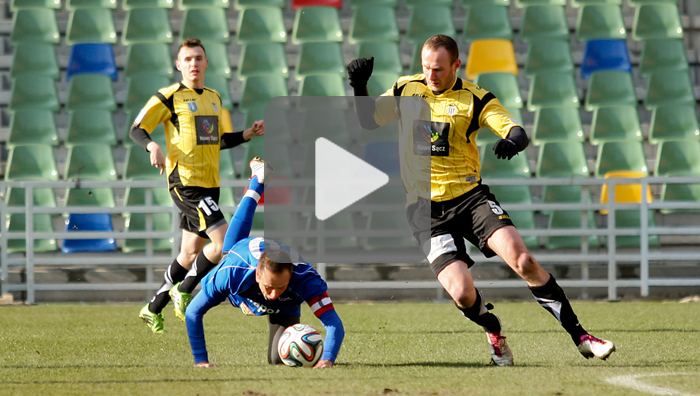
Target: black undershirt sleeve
{"points": [[519, 137], [365, 108], [140, 137], [231, 139]]}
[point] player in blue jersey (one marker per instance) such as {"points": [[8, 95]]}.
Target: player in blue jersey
{"points": [[262, 277]]}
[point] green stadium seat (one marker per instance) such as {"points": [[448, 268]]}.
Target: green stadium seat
{"points": [[140, 88], [504, 86], [669, 88], [187, 4], [258, 90], [556, 89], [486, 21], [137, 164], [91, 91], [373, 24], [91, 25], [615, 123], [322, 85], [620, 156], [600, 21], [23, 4], [242, 4], [89, 126], [579, 3], [317, 24], [91, 162], [673, 123], [76, 4], [34, 92], [137, 221], [37, 59], [148, 58], [263, 59], [260, 24], [485, 135], [207, 24], [416, 66], [544, 22], [147, 25], [425, 22], [31, 126], [387, 56], [342, 221], [219, 63], [531, 3], [662, 54], [610, 88], [36, 25], [320, 58], [364, 3], [568, 219], [632, 219], [129, 5], [221, 85], [16, 222], [380, 82], [429, 3], [679, 158], [562, 159], [227, 167], [655, 21], [548, 55], [492, 167], [31, 162], [556, 124]]}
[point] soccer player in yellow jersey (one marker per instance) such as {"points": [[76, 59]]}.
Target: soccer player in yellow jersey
{"points": [[460, 205], [197, 127]]}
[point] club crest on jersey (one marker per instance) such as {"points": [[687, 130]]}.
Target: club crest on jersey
{"points": [[192, 106], [451, 110], [215, 107]]}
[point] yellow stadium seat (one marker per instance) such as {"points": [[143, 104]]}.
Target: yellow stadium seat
{"points": [[625, 193], [491, 55]]}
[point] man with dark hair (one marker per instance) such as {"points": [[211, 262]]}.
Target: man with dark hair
{"points": [[263, 277], [196, 127], [460, 205]]}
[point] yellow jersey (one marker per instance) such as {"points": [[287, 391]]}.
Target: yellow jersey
{"points": [[444, 127], [194, 121]]}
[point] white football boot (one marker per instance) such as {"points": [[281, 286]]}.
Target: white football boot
{"points": [[591, 346], [500, 351], [262, 169]]}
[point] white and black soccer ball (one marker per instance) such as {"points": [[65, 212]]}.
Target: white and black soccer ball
{"points": [[300, 345]]}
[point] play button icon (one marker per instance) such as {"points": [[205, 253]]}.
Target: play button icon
{"points": [[342, 178]]}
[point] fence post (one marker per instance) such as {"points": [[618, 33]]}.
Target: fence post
{"points": [[644, 241], [3, 243], [612, 265], [29, 232]]}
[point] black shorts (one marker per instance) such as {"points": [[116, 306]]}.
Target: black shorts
{"points": [[199, 209], [474, 216]]}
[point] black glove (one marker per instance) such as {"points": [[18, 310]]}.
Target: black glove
{"points": [[359, 71], [505, 149]]}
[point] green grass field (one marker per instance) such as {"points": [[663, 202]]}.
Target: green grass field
{"points": [[397, 349]]}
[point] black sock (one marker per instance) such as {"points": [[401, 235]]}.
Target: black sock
{"points": [[175, 273], [479, 314], [552, 298], [201, 267]]}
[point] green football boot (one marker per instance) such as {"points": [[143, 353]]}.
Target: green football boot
{"points": [[181, 301], [153, 321]]}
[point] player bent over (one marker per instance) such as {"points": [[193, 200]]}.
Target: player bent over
{"points": [[262, 277], [460, 205]]}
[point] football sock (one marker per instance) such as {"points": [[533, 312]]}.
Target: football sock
{"points": [[175, 273], [552, 298], [242, 219], [479, 314], [200, 267]]}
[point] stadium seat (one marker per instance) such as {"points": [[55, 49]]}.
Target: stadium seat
{"points": [[297, 4], [93, 91], [76, 4], [673, 123], [544, 22], [260, 24], [380, 82], [221, 85], [33, 92], [489, 56], [187, 4], [624, 193], [320, 58], [31, 126], [669, 88], [504, 86], [568, 219], [605, 55], [373, 24], [531, 3], [23, 4], [364, 3], [387, 56], [92, 59], [81, 222], [91, 25], [486, 21], [89, 126], [485, 135], [655, 21], [31, 162], [147, 25], [424, 22], [679, 158], [610, 88], [219, 63], [579, 3], [615, 123], [468, 3], [263, 59], [432, 3], [556, 124], [148, 58], [137, 164], [620, 156], [207, 24], [342, 221], [600, 21], [492, 167], [16, 222], [137, 221], [90, 162], [129, 5], [242, 4], [548, 55], [552, 90], [140, 88], [416, 67], [322, 85], [562, 159], [258, 90], [317, 24], [632, 219], [36, 25], [35, 59], [333, 124], [662, 54], [227, 167]]}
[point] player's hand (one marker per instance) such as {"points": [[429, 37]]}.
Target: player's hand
{"points": [[323, 364], [157, 158], [204, 364], [359, 71], [505, 149], [257, 129]]}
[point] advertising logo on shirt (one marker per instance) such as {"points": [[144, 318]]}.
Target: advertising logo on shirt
{"points": [[207, 129], [431, 138]]}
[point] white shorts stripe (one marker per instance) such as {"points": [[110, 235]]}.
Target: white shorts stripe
{"points": [[440, 245]]}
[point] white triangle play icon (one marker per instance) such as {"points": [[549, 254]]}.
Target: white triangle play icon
{"points": [[342, 178]]}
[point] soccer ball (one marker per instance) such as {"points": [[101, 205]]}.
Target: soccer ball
{"points": [[300, 345]]}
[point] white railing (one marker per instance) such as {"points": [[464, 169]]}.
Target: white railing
{"points": [[148, 260]]}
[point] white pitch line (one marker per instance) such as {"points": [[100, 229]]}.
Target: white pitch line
{"points": [[630, 381]]}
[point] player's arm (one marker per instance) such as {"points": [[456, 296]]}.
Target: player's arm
{"points": [[322, 307], [359, 72], [155, 112], [194, 316], [513, 137], [231, 139]]}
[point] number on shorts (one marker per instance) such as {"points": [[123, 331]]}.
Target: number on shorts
{"points": [[208, 205], [495, 208]]}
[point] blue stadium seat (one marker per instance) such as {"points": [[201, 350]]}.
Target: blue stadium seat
{"points": [[89, 58], [605, 54], [89, 222]]}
